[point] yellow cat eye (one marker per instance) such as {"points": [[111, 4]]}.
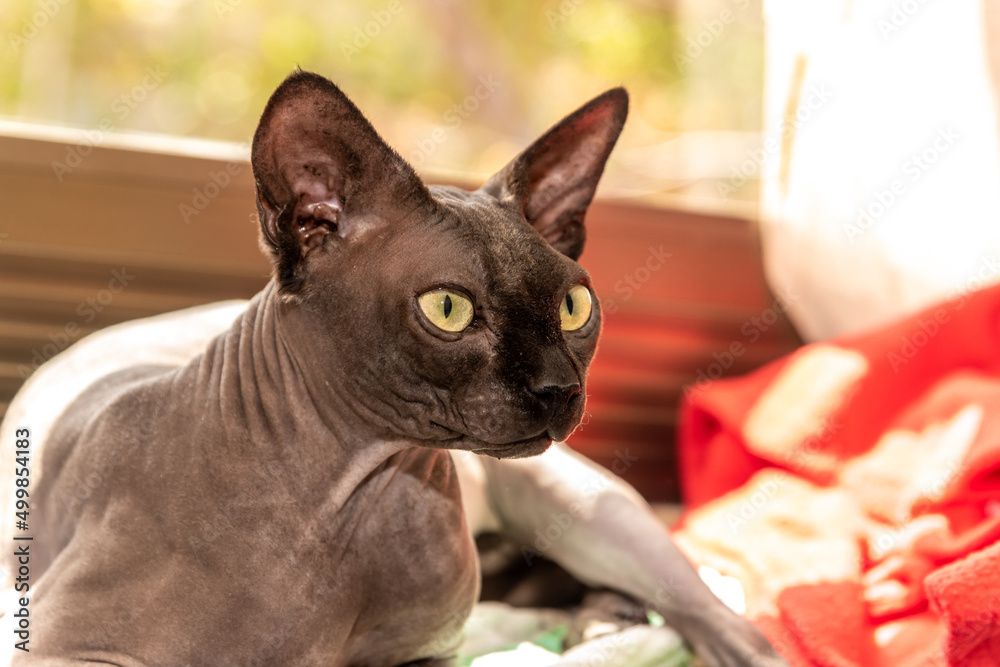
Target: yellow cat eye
{"points": [[447, 310], [576, 307]]}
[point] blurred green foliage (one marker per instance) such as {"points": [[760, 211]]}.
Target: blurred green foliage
{"points": [[406, 63]]}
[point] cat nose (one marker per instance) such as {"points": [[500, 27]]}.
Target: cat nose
{"points": [[556, 385], [556, 381], [556, 395]]}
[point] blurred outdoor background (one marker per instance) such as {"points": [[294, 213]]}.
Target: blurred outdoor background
{"points": [[488, 75]]}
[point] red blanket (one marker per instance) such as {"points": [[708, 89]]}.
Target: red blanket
{"points": [[853, 488]]}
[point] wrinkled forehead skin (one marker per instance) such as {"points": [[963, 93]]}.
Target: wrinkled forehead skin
{"points": [[514, 259]]}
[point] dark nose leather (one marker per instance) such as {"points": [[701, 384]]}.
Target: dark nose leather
{"points": [[557, 381], [557, 396]]}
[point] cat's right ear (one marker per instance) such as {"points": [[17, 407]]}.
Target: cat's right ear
{"points": [[323, 174]]}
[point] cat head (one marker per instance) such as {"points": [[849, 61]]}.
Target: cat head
{"points": [[456, 319]]}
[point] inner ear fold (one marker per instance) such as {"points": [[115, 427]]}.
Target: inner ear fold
{"points": [[320, 168], [555, 178]]}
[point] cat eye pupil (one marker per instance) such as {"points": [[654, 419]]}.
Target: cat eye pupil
{"points": [[576, 308], [447, 306]]}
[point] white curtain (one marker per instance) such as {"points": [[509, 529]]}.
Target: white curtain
{"points": [[881, 189]]}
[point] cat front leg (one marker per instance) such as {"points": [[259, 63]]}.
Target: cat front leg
{"points": [[601, 531]]}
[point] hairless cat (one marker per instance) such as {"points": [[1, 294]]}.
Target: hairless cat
{"points": [[297, 480]]}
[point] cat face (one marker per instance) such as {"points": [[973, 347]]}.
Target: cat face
{"points": [[457, 319]]}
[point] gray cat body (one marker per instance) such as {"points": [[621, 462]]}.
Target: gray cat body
{"points": [[297, 480]]}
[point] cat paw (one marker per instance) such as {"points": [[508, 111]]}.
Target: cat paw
{"points": [[724, 639]]}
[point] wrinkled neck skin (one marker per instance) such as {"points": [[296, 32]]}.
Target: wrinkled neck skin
{"points": [[274, 383], [242, 485]]}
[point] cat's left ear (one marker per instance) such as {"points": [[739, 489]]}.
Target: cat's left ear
{"points": [[554, 179]]}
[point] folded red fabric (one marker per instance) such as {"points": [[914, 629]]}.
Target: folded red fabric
{"points": [[854, 489]]}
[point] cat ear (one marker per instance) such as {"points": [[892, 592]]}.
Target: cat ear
{"points": [[321, 169], [554, 179]]}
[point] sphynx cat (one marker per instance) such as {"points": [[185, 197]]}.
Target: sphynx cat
{"points": [[297, 480]]}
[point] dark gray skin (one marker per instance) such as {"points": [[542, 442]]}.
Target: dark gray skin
{"points": [[286, 498]]}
